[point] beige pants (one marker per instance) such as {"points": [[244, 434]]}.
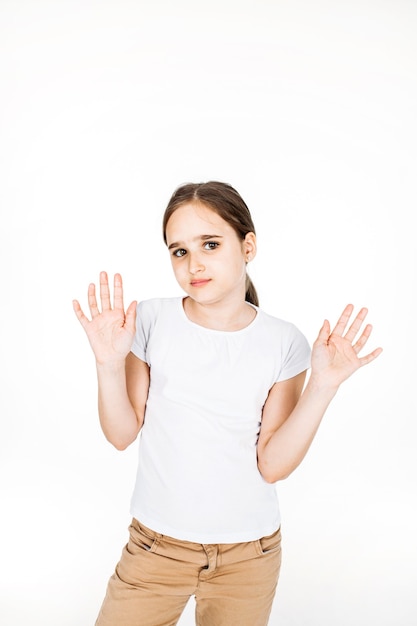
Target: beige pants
{"points": [[233, 584]]}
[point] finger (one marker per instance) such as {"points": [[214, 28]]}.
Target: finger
{"points": [[92, 300], [356, 325], [118, 292], [104, 292], [363, 338], [370, 357], [79, 313], [343, 320]]}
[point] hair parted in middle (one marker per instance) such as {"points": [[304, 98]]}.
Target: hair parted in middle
{"points": [[224, 200]]}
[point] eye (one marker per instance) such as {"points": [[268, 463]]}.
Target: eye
{"points": [[179, 253], [211, 245]]}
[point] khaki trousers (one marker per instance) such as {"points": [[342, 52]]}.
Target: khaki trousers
{"points": [[233, 584]]}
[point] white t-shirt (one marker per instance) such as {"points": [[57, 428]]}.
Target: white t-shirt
{"points": [[197, 476]]}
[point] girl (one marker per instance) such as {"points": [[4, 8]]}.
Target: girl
{"points": [[214, 386]]}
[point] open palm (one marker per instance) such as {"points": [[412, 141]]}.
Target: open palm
{"points": [[335, 354], [111, 330]]}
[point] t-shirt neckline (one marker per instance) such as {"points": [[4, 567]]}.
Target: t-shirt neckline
{"points": [[214, 330]]}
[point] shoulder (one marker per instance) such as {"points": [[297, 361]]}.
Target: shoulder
{"points": [[284, 336], [148, 312], [276, 325], [289, 343], [156, 305]]}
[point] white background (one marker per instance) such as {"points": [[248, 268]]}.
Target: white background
{"points": [[308, 108]]}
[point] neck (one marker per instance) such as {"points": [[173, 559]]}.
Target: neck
{"points": [[219, 316]]}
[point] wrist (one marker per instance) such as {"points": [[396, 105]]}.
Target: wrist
{"points": [[110, 366], [321, 384]]}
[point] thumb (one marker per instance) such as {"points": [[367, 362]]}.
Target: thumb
{"points": [[324, 334], [130, 317]]}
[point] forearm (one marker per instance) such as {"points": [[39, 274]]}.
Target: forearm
{"points": [[334, 358], [288, 445], [118, 419]]}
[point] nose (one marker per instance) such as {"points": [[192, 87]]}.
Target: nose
{"points": [[194, 263]]}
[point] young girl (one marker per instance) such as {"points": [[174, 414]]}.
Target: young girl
{"points": [[214, 386]]}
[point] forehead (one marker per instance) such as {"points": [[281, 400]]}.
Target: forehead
{"points": [[195, 218]]}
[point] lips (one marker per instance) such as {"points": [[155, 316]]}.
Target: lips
{"points": [[200, 282]]}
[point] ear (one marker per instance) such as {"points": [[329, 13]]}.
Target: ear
{"points": [[249, 246]]}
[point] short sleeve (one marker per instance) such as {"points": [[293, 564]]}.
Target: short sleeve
{"points": [[140, 342], [296, 354]]}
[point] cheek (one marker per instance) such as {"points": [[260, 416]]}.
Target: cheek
{"points": [[177, 268], [240, 262]]}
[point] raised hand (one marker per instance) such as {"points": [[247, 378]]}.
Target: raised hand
{"points": [[111, 330], [335, 354]]}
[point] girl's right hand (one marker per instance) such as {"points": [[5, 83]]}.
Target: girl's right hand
{"points": [[111, 331]]}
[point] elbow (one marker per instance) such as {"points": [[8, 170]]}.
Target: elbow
{"points": [[275, 478], [269, 478], [272, 478], [120, 446], [268, 475], [273, 475], [122, 438], [119, 443]]}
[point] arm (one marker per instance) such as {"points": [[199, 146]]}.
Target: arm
{"points": [[290, 425], [123, 380], [122, 394], [283, 443]]}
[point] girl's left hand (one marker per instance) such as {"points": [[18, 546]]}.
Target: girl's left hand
{"points": [[335, 355]]}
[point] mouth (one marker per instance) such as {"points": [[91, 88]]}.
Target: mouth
{"points": [[200, 283]]}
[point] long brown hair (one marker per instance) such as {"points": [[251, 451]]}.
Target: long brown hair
{"points": [[224, 200]]}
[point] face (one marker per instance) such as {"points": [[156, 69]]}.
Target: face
{"points": [[208, 258]]}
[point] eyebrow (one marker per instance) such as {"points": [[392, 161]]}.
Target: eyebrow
{"points": [[177, 244]]}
